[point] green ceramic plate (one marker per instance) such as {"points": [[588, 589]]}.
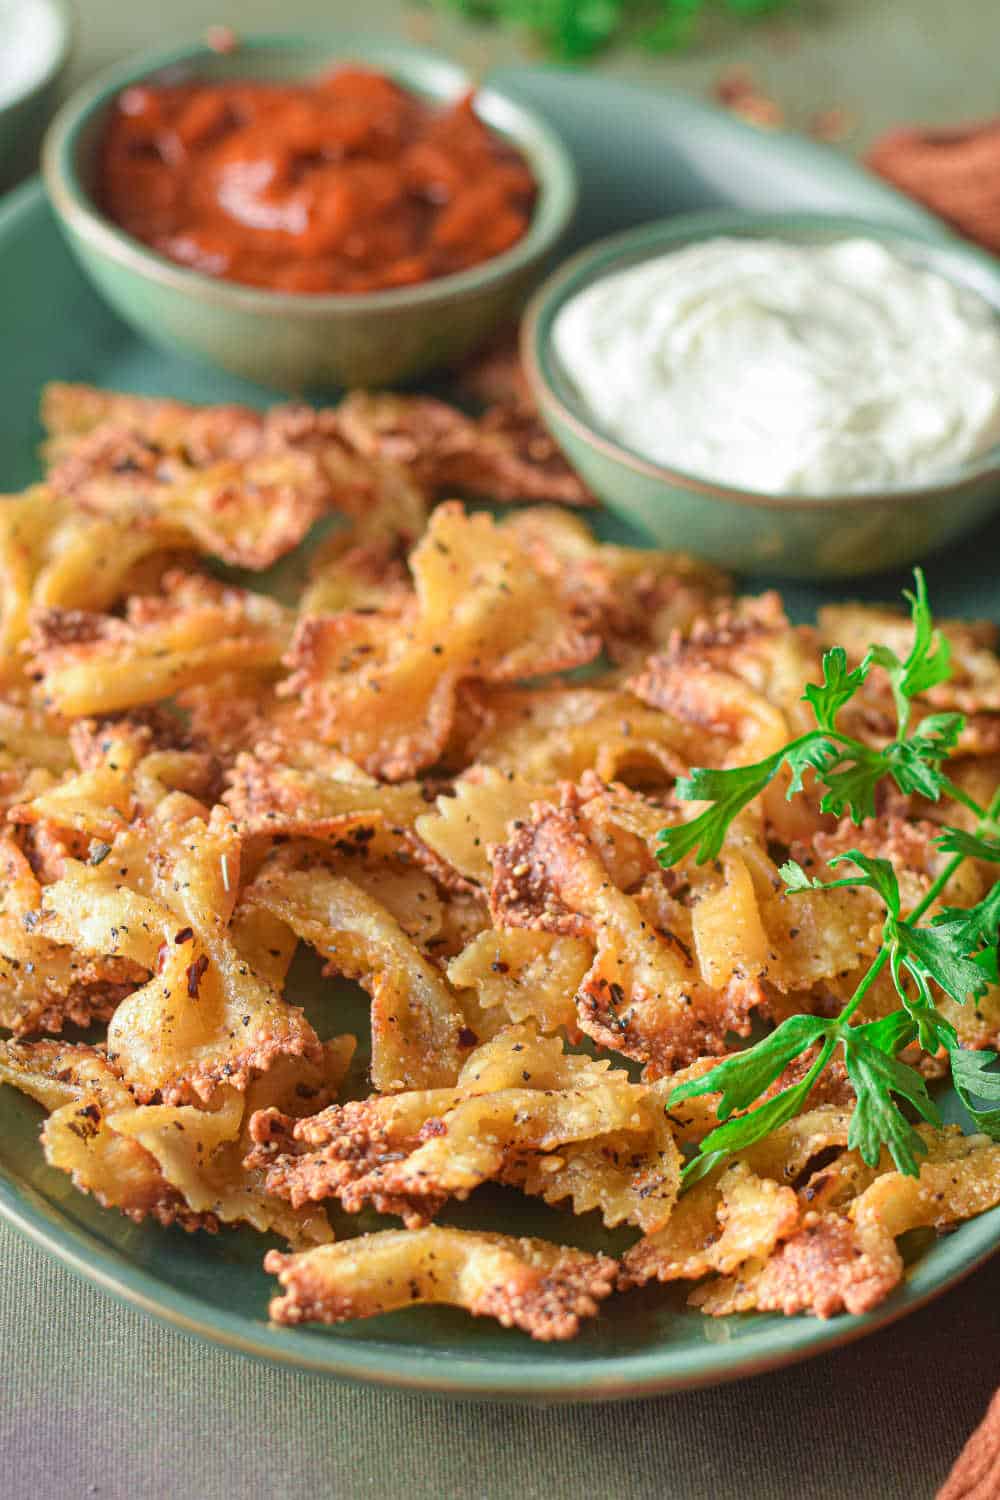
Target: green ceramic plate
{"points": [[642, 154]]}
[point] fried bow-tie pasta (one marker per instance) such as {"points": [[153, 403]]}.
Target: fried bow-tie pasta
{"points": [[297, 788], [44, 984], [549, 734], [53, 556], [164, 898], [195, 631], [541, 1288], [522, 1111], [178, 1164], [645, 994], [501, 457], [382, 688], [845, 1258], [638, 600], [417, 1023], [248, 513], [80, 1089], [438, 748]]}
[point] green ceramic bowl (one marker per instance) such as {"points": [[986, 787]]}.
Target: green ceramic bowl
{"points": [[36, 37], [795, 536], [296, 342]]}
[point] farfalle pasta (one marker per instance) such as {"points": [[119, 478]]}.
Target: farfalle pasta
{"points": [[442, 763]]}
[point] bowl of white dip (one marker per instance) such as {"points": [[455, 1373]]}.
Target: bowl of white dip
{"points": [[35, 41], [814, 396]]}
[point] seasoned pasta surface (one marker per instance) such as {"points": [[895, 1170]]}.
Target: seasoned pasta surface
{"points": [[273, 686]]}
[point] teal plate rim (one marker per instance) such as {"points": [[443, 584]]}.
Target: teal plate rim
{"points": [[507, 1374], [783, 1341]]}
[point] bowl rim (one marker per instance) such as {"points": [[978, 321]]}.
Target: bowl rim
{"points": [[630, 246], [550, 161], [58, 57]]}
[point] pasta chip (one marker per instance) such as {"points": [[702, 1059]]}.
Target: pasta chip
{"points": [[526, 976], [541, 1288], [416, 1019], [54, 557], [503, 457], [518, 1097], [850, 1262], [80, 1089], [644, 995], [43, 985], [719, 1224], [96, 664], [297, 788], [165, 901], [382, 689], [545, 735], [200, 1153], [463, 825]]}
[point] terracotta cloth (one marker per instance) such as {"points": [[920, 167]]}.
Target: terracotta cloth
{"points": [[976, 1475], [954, 172]]}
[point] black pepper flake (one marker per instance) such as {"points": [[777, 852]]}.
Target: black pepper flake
{"points": [[194, 973], [98, 853]]}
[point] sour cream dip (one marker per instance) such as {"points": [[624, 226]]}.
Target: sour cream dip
{"points": [[787, 368], [30, 39]]}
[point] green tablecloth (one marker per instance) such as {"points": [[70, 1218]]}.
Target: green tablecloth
{"points": [[97, 1401]]}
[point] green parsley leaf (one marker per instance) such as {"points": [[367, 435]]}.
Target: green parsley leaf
{"points": [[877, 874], [971, 1072], [572, 30], [971, 845], [700, 1165], [743, 1130], [973, 927], [813, 752], [743, 1077], [852, 789], [837, 688], [988, 959], [915, 763], [729, 791], [796, 879], [889, 1033], [939, 953], [973, 1076], [877, 1120], [929, 660]]}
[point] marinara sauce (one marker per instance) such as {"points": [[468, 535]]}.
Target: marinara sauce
{"points": [[346, 184]]}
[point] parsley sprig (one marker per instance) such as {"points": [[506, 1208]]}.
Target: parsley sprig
{"points": [[574, 29], [848, 770], [954, 953]]}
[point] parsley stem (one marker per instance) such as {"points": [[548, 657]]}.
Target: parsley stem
{"points": [[882, 957], [878, 964], [957, 795], [936, 887], [826, 1052]]}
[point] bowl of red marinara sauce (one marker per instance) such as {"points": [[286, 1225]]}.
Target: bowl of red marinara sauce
{"points": [[308, 212]]}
